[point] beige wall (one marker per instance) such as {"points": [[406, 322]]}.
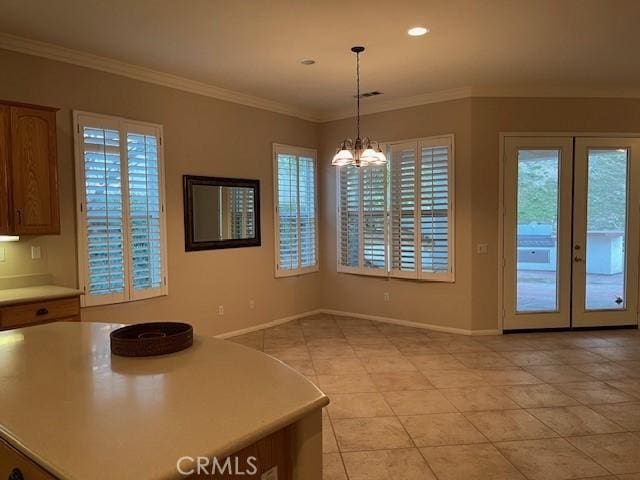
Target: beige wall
{"points": [[203, 136], [490, 116], [442, 304]]}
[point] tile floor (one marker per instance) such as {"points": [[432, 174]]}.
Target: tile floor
{"points": [[409, 404]]}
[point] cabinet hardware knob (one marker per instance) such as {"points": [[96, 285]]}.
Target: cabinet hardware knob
{"points": [[577, 259], [42, 311], [16, 474], [19, 215]]}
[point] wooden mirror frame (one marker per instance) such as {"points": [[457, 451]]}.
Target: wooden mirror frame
{"points": [[189, 181]]}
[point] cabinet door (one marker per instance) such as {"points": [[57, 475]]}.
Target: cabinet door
{"points": [[34, 171], [5, 135]]}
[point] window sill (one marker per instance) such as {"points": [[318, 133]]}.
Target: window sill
{"points": [[448, 279], [97, 303], [296, 273]]}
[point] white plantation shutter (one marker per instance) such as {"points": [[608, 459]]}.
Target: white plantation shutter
{"points": [[403, 209], [145, 213], [362, 217], [296, 216], [307, 206], [406, 232], [374, 213], [287, 209], [120, 210], [103, 226], [435, 208], [349, 219]]}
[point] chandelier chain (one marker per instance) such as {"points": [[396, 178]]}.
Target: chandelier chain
{"points": [[358, 91]]}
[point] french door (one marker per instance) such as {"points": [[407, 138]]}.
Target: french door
{"points": [[571, 232]]}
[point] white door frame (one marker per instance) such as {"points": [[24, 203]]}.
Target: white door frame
{"points": [[501, 159]]}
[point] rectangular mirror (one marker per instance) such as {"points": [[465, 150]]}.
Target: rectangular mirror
{"points": [[221, 212]]}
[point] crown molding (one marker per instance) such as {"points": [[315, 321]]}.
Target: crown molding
{"points": [[486, 92], [536, 91], [96, 62], [104, 64], [401, 102]]}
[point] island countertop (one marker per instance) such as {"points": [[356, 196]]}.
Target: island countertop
{"points": [[81, 413]]}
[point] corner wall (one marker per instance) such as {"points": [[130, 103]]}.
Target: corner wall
{"points": [[445, 305]]}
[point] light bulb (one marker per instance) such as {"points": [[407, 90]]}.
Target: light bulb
{"points": [[382, 159], [369, 157], [343, 158]]}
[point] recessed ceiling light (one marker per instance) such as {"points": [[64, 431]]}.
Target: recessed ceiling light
{"points": [[307, 61], [417, 31]]}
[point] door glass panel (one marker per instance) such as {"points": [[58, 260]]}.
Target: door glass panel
{"points": [[606, 229], [537, 230]]}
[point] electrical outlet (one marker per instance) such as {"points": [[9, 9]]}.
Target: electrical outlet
{"points": [[36, 253], [386, 296], [271, 474], [220, 309], [3, 257], [252, 304], [482, 249]]}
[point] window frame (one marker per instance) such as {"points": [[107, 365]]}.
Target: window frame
{"points": [[441, 277], [277, 149], [124, 126]]}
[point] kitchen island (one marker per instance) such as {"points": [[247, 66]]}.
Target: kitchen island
{"points": [[69, 410]]}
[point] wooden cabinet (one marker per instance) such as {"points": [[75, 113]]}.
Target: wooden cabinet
{"points": [[14, 465], [43, 311], [29, 202], [273, 452]]}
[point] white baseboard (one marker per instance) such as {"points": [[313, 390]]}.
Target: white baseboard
{"points": [[272, 323], [395, 321], [408, 323]]}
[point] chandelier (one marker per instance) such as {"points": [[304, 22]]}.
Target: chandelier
{"points": [[360, 152]]}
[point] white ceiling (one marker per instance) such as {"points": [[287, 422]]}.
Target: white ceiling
{"points": [[254, 46]]}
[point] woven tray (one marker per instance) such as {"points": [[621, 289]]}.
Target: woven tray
{"points": [[148, 339]]}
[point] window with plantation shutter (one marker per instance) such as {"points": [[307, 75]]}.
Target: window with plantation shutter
{"points": [[296, 219], [362, 218], [374, 218], [402, 164], [398, 220], [435, 208], [120, 199], [349, 218]]}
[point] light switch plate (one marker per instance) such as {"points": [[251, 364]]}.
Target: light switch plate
{"points": [[35, 252], [482, 249], [271, 474]]}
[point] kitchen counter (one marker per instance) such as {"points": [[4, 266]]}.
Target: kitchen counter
{"points": [[12, 296], [81, 413]]}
